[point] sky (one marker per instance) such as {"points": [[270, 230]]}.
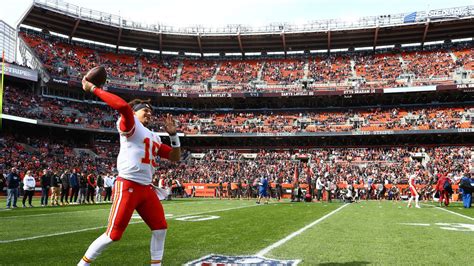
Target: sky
{"points": [[216, 13]]}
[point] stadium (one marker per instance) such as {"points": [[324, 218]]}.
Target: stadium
{"points": [[334, 142]]}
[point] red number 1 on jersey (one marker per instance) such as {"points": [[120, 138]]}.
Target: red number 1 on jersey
{"points": [[154, 152]]}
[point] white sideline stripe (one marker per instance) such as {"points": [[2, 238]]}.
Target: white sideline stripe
{"points": [[99, 227], [56, 234], [51, 213], [105, 204], [292, 235], [455, 213]]}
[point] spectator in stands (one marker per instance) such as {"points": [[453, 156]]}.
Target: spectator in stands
{"points": [[467, 189], [394, 193], [229, 189], [389, 163], [370, 188], [29, 184], [380, 191], [74, 183], [65, 187], [108, 184], [99, 188], [378, 70], [296, 195], [443, 188], [278, 188], [239, 188], [91, 185], [55, 188], [262, 190], [13, 182], [319, 188], [82, 187], [220, 188], [45, 186], [2, 181], [368, 120], [329, 188], [349, 195]]}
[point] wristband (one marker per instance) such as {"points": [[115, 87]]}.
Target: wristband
{"points": [[93, 88], [175, 141]]}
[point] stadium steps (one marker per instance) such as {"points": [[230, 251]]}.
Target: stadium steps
{"points": [[306, 69], [260, 71], [214, 76], [453, 56], [179, 71], [468, 116], [140, 68], [26, 51], [98, 59], [79, 152], [29, 149], [353, 68], [404, 67]]}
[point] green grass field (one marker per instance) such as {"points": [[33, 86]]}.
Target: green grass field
{"points": [[315, 233]]}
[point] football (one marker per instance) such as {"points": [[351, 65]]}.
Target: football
{"points": [[97, 76]]}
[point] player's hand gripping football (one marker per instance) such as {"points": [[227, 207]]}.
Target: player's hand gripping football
{"points": [[86, 85], [170, 126]]}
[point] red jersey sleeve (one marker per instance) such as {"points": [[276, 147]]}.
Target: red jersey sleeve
{"points": [[164, 151], [127, 122]]}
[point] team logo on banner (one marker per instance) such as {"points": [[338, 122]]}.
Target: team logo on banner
{"points": [[240, 260]]}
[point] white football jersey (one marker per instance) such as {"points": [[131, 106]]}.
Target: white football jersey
{"points": [[137, 157]]}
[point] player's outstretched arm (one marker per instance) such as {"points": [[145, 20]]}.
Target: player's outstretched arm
{"points": [[126, 122]]}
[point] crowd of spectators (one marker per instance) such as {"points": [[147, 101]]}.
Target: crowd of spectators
{"points": [[198, 71], [378, 67], [330, 69], [464, 55], [342, 165], [283, 71], [51, 162], [375, 70], [119, 66], [238, 72], [429, 64], [38, 153], [59, 58], [158, 70], [23, 103], [26, 103], [350, 166]]}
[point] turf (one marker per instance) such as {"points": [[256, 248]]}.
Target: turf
{"points": [[376, 233], [363, 233]]}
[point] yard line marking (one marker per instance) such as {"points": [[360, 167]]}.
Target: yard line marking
{"points": [[294, 234], [51, 213], [228, 209], [416, 224], [105, 226]]}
